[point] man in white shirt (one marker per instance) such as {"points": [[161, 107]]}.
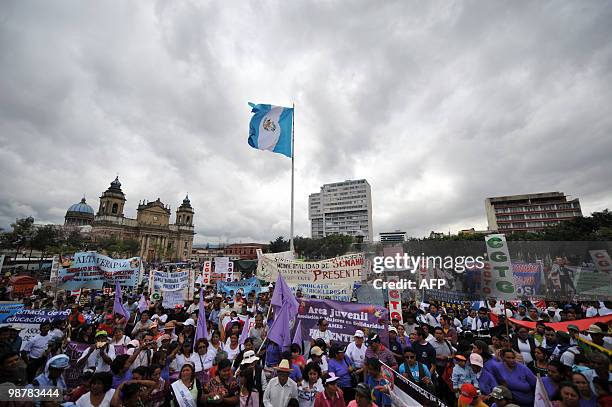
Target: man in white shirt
{"points": [[356, 350], [280, 388], [33, 351], [98, 356], [147, 347]]}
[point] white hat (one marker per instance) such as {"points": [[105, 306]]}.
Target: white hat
{"points": [[476, 359], [284, 366], [189, 322], [359, 333], [134, 343], [249, 357], [315, 350], [332, 378], [392, 329]]}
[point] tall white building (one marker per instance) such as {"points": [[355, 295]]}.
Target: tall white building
{"points": [[341, 207]]}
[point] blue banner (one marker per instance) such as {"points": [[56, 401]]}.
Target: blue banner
{"points": [[245, 286], [8, 309], [92, 270]]}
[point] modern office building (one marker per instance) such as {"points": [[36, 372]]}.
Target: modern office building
{"points": [[530, 212], [392, 237], [343, 208]]}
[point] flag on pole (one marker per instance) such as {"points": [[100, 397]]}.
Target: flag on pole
{"points": [[245, 331], [541, 396], [118, 307], [270, 128], [283, 296], [285, 310], [201, 329], [297, 336], [142, 303]]}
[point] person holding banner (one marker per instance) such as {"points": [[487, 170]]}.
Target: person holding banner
{"points": [[378, 385]]}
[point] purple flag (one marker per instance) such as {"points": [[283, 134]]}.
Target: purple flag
{"points": [[142, 303], [297, 336], [201, 329], [280, 331], [118, 307], [283, 297], [245, 331]]}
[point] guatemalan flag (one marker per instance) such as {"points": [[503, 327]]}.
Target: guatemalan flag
{"points": [[270, 128]]}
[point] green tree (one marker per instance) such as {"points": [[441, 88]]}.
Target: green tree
{"points": [[45, 237], [21, 235], [278, 245]]}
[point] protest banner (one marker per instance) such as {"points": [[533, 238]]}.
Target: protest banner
{"points": [[497, 281], [404, 392], [221, 265], [344, 319], [582, 324], [242, 286], [395, 301], [55, 265], [591, 284], [206, 272], [172, 298], [527, 277], [339, 292], [169, 280], [8, 309], [344, 269], [366, 294], [92, 270], [29, 320]]}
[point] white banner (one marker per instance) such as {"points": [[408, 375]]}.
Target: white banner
{"points": [[221, 265], [344, 269], [338, 292], [172, 298], [497, 280], [170, 280], [54, 268]]}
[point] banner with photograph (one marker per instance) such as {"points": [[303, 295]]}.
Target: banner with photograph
{"points": [[344, 319], [243, 286], [344, 269], [92, 270]]}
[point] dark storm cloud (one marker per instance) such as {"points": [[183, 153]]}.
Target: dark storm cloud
{"points": [[437, 104]]}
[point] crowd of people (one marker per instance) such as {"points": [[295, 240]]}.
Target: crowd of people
{"points": [[465, 355]]}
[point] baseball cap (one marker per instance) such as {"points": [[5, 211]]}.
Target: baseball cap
{"points": [[392, 329], [189, 322], [373, 338], [332, 378], [468, 394], [359, 333], [573, 328]]}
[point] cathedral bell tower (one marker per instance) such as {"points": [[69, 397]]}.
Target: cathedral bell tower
{"points": [[112, 200], [184, 214]]}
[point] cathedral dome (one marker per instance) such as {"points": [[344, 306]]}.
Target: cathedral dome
{"points": [[79, 214], [81, 207]]}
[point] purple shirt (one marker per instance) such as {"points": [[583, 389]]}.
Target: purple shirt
{"points": [[520, 381], [341, 370]]}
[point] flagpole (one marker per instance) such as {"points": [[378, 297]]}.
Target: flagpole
{"points": [[292, 174]]}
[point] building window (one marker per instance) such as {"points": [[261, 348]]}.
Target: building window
{"points": [[185, 244], [115, 208]]}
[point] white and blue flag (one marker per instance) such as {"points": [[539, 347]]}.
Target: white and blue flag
{"points": [[270, 128]]}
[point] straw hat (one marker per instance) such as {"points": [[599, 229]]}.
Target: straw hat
{"points": [[284, 366]]}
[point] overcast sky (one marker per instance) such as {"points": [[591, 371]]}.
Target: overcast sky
{"points": [[437, 104]]}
